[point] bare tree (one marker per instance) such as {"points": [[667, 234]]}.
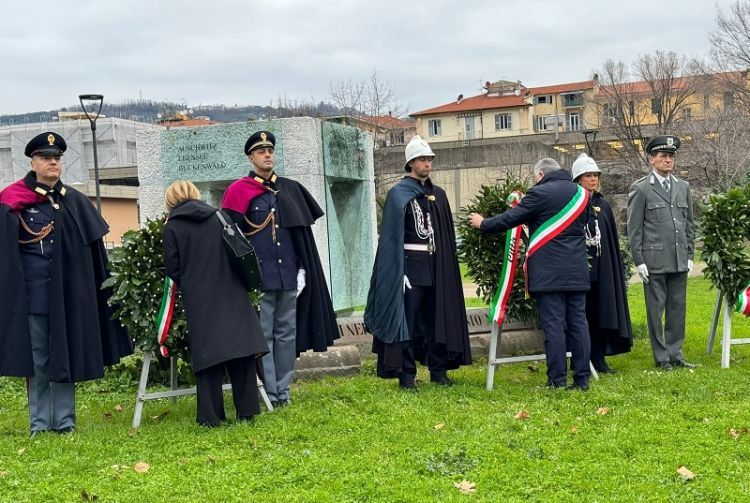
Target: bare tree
{"points": [[651, 96], [730, 51], [372, 100], [718, 151]]}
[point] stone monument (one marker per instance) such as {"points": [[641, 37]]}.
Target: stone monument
{"points": [[334, 163]]}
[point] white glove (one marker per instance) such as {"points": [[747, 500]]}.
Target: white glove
{"points": [[300, 281], [690, 266], [406, 284], [643, 272]]}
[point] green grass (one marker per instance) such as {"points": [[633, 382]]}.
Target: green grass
{"points": [[361, 439]]}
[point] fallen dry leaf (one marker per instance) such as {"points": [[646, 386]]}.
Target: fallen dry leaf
{"points": [[733, 433], [211, 459], [439, 426], [532, 368], [21, 451], [141, 467], [119, 408], [3, 473], [602, 411], [182, 461], [465, 486], [522, 415], [107, 415], [159, 416], [574, 430], [685, 474], [132, 432]]}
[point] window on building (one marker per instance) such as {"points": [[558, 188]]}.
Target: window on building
{"points": [[686, 113], [728, 101], [397, 137], [434, 127], [574, 121], [545, 122], [706, 102], [543, 99], [656, 106], [573, 100], [502, 122]]}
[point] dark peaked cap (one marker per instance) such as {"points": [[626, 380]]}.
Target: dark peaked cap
{"points": [[259, 140], [666, 143], [48, 143]]}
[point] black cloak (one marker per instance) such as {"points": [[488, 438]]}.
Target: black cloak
{"points": [[83, 336], [609, 316], [298, 211], [384, 314]]}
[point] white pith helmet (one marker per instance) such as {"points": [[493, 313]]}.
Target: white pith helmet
{"points": [[417, 147], [584, 164]]}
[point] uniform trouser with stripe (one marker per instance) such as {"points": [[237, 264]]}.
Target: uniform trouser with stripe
{"points": [[278, 319], [52, 405], [665, 296]]}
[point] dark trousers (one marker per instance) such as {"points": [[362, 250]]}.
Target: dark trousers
{"points": [[419, 308], [400, 358], [560, 312], [244, 391]]}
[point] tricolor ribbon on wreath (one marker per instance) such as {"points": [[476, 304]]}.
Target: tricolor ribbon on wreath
{"points": [[508, 268], [743, 301], [164, 319]]}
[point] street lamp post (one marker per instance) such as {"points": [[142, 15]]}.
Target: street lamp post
{"points": [[92, 106], [589, 133]]}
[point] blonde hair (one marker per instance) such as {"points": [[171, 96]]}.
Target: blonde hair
{"points": [[180, 191]]}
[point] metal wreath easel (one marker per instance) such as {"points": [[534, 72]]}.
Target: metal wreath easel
{"points": [[142, 396], [494, 361], [726, 330]]}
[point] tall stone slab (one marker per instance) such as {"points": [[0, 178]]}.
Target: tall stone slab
{"points": [[334, 163]]}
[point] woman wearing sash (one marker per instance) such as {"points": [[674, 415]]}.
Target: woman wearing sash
{"points": [[607, 302], [224, 333]]}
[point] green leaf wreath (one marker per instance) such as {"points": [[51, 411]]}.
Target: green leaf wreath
{"points": [[724, 229], [483, 254], [137, 279]]}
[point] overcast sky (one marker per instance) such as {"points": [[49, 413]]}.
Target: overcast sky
{"points": [[250, 52]]}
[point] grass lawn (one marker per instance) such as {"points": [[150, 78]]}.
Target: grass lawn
{"points": [[361, 439]]}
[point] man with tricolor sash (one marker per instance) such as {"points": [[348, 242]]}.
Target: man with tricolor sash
{"points": [[415, 307], [56, 325], [556, 267]]}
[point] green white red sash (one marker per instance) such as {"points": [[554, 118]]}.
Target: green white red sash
{"points": [[508, 269], [743, 301], [555, 225], [164, 319]]}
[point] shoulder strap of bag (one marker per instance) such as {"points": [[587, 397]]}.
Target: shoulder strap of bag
{"points": [[227, 228]]}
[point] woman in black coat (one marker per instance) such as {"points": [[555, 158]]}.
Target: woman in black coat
{"points": [[607, 302], [223, 330]]}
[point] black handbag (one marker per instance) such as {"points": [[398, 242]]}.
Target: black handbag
{"points": [[241, 255]]}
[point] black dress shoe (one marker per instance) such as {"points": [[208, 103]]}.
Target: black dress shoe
{"points": [[683, 364], [65, 431], [37, 433], [664, 366], [283, 402], [274, 404], [407, 385], [604, 369], [581, 387], [441, 379]]}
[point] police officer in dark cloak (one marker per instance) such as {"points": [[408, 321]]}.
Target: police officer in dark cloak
{"points": [[57, 326], [296, 311], [415, 307]]}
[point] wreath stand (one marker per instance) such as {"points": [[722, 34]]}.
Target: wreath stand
{"points": [[726, 331], [494, 360], [174, 392]]}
